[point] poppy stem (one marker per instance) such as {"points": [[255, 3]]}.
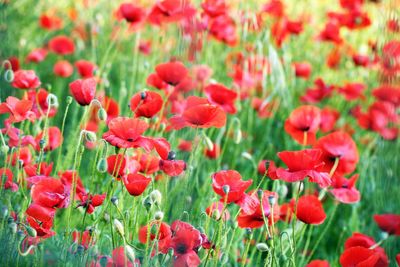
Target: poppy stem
{"points": [[62, 132], [334, 167]]}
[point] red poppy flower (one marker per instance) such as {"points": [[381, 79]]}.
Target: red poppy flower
{"points": [[170, 11], [268, 168], [329, 117], [41, 213], [172, 73], [274, 8], [214, 8], [318, 263], [50, 22], [19, 110], [303, 124], [398, 259], [25, 79], [120, 259], [63, 68], [215, 210], [352, 91], [40, 104], [83, 90], [14, 61], [331, 32], [49, 192], [131, 13], [136, 183], [68, 177], [359, 240], [213, 153], [302, 164], [89, 202], [389, 223], [264, 108], [219, 95], [199, 113], [37, 55], [85, 238], [251, 215], [302, 69], [53, 139], [7, 176], [127, 132], [22, 155], [185, 145], [149, 164], [43, 229], [116, 165], [163, 236], [172, 167], [361, 60], [146, 104], [338, 146], [318, 93], [223, 28], [391, 58], [85, 68], [62, 45], [310, 210], [232, 180], [388, 93], [287, 211], [360, 256], [344, 190], [155, 81], [185, 241], [43, 168]]}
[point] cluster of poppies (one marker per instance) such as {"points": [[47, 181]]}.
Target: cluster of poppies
{"points": [[95, 136]]}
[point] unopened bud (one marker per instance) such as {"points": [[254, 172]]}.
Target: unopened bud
{"points": [[102, 165], [31, 232], [107, 217], [4, 149], [159, 215], [9, 75], [208, 142], [102, 114], [42, 143], [114, 200], [260, 193], [130, 253], [147, 202], [13, 227], [262, 247], [156, 197], [271, 200], [69, 100], [216, 214], [247, 155], [90, 136], [120, 228], [80, 249]]}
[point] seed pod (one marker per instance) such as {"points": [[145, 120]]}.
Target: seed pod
{"points": [[52, 100], [262, 247], [159, 215], [102, 114], [69, 100]]}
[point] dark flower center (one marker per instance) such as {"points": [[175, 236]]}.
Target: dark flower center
{"points": [[181, 248]]}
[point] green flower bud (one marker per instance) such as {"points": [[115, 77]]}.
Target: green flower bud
{"points": [[102, 165], [102, 114], [262, 247]]}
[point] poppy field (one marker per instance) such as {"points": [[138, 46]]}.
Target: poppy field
{"points": [[200, 133]]}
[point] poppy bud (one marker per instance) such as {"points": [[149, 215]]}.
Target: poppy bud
{"points": [[283, 258], [120, 228], [248, 231], [130, 253], [102, 114], [41, 143], [20, 163], [4, 211], [271, 200], [69, 100], [282, 190], [31, 232], [384, 235], [52, 100], [9, 76], [156, 196], [102, 165], [216, 215], [114, 200], [106, 217], [90, 136], [171, 155], [4, 149], [103, 261], [20, 234], [13, 227], [262, 247], [226, 189], [80, 249], [224, 259], [147, 203], [159, 215], [237, 137], [260, 193], [247, 155], [208, 142]]}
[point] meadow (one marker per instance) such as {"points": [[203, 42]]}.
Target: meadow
{"points": [[200, 133]]}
